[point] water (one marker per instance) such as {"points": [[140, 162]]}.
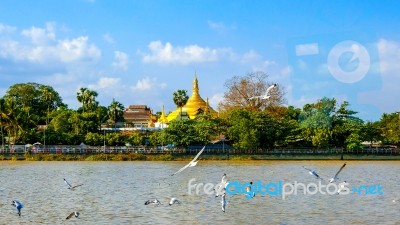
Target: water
{"points": [[115, 192]]}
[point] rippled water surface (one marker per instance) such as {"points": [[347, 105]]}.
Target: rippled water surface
{"points": [[115, 192]]}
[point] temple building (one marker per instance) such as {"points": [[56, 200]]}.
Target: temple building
{"points": [[194, 106], [138, 116]]}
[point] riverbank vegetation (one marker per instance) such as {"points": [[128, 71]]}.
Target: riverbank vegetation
{"points": [[31, 112]]}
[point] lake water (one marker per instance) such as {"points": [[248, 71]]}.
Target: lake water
{"points": [[115, 192]]}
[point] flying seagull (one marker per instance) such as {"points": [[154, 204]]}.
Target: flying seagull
{"points": [[153, 202], [221, 186], [267, 94], [223, 202], [191, 163], [333, 179], [76, 214], [18, 205], [70, 186], [173, 201], [312, 172], [341, 186]]}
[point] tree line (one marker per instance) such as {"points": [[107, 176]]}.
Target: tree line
{"points": [[31, 112]]}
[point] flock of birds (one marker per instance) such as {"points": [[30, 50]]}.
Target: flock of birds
{"points": [[219, 192], [18, 205]]}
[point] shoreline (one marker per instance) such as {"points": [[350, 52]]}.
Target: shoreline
{"points": [[180, 157]]}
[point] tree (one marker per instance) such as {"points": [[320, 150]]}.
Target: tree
{"points": [[30, 103], [346, 125], [116, 111], [180, 98], [87, 98], [316, 122], [241, 88], [390, 128]]}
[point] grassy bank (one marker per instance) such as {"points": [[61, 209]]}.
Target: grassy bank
{"points": [[171, 157]]}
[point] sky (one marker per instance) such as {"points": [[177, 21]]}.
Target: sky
{"points": [[140, 52]]}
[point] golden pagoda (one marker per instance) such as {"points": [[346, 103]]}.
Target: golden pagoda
{"points": [[194, 104], [163, 118]]}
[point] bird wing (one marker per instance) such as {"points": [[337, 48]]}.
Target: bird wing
{"points": [[69, 185], [269, 89], [224, 180], [70, 215], [198, 154], [77, 185], [307, 169], [341, 168], [181, 169], [191, 162], [260, 96]]}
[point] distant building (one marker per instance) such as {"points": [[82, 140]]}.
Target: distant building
{"points": [[139, 116]]}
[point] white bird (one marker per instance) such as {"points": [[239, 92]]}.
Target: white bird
{"points": [[76, 214], [223, 202], [18, 205], [267, 94], [222, 186], [312, 172], [153, 202], [173, 201], [341, 186], [70, 186], [191, 163], [333, 179]]}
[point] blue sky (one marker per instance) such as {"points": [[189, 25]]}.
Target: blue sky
{"points": [[140, 52]]}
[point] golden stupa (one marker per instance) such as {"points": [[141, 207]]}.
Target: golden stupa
{"points": [[163, 118], [194, 104]]}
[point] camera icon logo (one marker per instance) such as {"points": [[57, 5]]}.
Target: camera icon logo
{"points": [[348, 61]]}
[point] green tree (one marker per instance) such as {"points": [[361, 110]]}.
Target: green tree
{"points": [[389, 125], [180, 98], [116, 111], [88, 99], [31, 104], [315, 121]]}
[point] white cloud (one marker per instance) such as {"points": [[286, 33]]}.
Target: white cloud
{"points": [[168, 54], [108, 38], [121, 60], [251, 57], [40, 36], [386, 97], [219, 26], [4, 28], [148, 83], [215, 100], [307, 49], [389, 54], [107, 83], [45, 48]]}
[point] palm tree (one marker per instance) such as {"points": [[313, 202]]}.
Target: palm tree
{"points": [[116, 111], [180, 98], [3, 117], [87, 98], [9, 120]]}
